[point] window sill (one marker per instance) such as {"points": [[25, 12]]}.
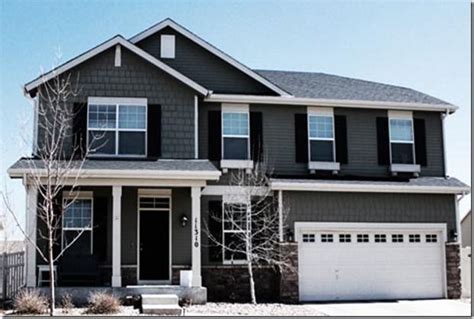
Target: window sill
{"points": [[324, 166], [405, 168], [234, 262], [236, 164]]}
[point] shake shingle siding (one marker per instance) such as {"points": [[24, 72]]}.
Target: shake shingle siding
{"points": [[138, 78], [370, 208], [203, 67]]}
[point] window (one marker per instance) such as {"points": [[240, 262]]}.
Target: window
{"points": [[234, 229], [327, 238], [235, 135], [397, 238], [414, 238], [402, 140], [344, 238], [167, 46], [321, 138], [117, 128], [380, 238], [308, 238], [431, 238], [77, 221], [362, 238]]}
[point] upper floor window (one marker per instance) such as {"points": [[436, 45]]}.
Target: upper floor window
{"points": [[235, 134], [402, 143], [117, 126], [321, 135]]}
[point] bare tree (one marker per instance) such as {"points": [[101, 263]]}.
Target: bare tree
{"points": [[55, 168], [250, 220]]}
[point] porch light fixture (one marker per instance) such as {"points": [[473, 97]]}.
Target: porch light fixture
{"points": [[184, 220], [289, 235]]}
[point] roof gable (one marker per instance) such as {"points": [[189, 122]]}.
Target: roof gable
{"points": [[117, 40], [186, 66]]}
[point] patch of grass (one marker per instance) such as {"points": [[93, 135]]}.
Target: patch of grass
{"points": [[30, 302], [103, 303]]}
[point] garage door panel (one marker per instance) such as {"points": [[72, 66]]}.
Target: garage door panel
{"points": [[405, 265]]}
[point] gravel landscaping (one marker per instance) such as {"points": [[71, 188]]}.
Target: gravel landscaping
{"points": [[269, 309]]}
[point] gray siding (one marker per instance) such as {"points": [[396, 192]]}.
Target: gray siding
{"points": [[203, 67], [279, 139], [370, 207], [138, 78]]}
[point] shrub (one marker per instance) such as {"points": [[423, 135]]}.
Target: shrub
{"points": [[29, 301], [102, 303], [66, 303]]}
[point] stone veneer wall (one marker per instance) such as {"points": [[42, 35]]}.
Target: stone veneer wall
{"points": [[289, 276], [231, 283], [453, 270]]}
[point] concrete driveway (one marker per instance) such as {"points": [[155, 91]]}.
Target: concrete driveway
{"points": [[438, 307]]}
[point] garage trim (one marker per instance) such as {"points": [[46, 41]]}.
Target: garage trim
{"points": [[334, 226]]}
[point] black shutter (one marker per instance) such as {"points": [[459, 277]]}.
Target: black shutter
{"points": [[154, 131], [256, 136], [100, 228], [341, 138], [215, 228], [301, 138], [420, 142], [214, 135], [383, 142], [79, 129]]}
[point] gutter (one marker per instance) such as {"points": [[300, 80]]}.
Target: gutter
{"points": [[257, 99]]}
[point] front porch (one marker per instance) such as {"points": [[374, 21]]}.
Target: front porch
{"points": [[144, 229]]}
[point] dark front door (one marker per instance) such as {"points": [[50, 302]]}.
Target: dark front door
{"points": [[154, 245]]}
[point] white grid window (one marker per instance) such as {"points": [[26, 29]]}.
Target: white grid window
{"points": [[414, 238], [234, 228], [321, 138], [327, 238], [402, 141], [431, 238], [235, 135], [309, 238], [344, 238], [380, 238], [397, 238], [77, 225], [362, 238], [117, 129]]}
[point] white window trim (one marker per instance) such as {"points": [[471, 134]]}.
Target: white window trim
{"points": [[317, 165], [78, 196], [117, 102], [167, 46], [232, 199], [402, 168], [231, 163]]}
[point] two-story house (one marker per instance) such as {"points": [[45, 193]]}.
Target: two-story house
{"points": [[359, 166]]}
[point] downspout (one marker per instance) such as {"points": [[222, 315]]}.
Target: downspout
{"points": [[445, 160]]}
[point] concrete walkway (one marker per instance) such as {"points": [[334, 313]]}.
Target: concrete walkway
{"points": [[439, 307]]}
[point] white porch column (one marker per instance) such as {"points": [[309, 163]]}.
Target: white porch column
{"points": [[116, 236], [31, 207], [196, 235], [280, 215]]}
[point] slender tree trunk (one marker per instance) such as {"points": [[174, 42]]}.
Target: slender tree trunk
{"points": [[51, 274], [252, 283]]}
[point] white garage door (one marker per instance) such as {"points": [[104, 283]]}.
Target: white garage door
{"points": [[380, 261]]}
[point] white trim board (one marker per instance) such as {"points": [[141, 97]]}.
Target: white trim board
{"points": [[289, 100], [118, 39], [363, 188], [191, 36]]}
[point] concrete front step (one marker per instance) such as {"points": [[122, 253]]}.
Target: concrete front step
{"points": [[160, 299], [163, 310]]}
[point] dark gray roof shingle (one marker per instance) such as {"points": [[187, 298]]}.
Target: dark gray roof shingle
{"points": [[420, 181], [333, 87], [96, 164]]}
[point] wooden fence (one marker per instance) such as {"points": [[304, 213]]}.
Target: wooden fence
{"points": [[13, 274]]}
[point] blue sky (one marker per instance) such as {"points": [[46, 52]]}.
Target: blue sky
{"points": [[424, 45]]}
